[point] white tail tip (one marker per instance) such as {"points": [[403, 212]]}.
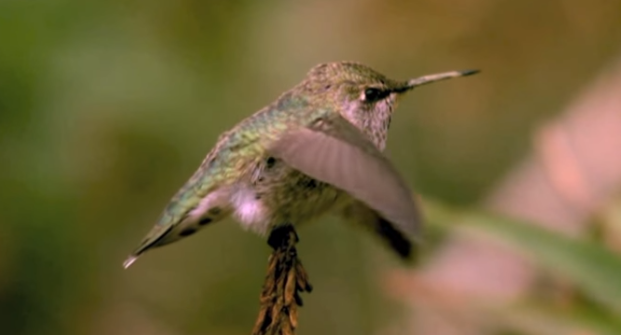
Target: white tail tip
{"points": [[129, 261]]}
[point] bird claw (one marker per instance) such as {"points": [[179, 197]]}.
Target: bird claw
{"points": [[279, 237]]}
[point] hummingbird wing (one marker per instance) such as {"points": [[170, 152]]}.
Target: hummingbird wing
{"points": [[332, 150], [361, 214]]}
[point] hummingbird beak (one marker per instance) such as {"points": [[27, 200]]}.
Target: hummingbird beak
{"points": [[433, 78]]}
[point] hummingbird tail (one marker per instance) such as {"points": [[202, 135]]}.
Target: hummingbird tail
{"points": [[155, 237], [209, 210], [129, 261]]}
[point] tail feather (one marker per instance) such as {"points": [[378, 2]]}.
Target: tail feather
{"points": [[155, 237], [184, 218], [129, 261]]}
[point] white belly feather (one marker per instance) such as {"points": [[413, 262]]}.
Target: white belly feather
{"points": [[250, 211]]}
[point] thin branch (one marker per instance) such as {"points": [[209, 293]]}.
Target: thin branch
{"points": [[286, 278]]}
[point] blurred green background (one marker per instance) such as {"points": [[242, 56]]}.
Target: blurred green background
{"points": [[107, 107]]}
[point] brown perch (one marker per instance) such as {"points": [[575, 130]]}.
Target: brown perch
{"points": [[286, 278]]}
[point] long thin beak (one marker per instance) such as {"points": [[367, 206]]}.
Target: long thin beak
{"points": [[436, 77]]}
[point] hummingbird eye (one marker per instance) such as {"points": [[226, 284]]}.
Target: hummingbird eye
{"points": [[374, 94]]}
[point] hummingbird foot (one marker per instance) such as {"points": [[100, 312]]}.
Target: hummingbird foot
{"points": [[286, 279], [281, 235]]}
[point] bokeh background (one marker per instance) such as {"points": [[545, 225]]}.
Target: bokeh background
{"points": [[107, 107]]}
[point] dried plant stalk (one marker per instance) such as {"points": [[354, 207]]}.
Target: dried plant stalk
{"points": [[286, 278]]}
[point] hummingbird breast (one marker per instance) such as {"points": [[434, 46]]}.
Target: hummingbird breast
{"points": [[275, 194]]}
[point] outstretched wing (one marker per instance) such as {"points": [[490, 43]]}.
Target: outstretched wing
{"points": [[361, 215], [332, 150]]}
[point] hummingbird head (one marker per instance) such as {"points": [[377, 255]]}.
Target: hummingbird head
{"points": [[363, 96]]}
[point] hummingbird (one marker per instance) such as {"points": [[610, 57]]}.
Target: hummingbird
{"points": [[317, 149]]}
